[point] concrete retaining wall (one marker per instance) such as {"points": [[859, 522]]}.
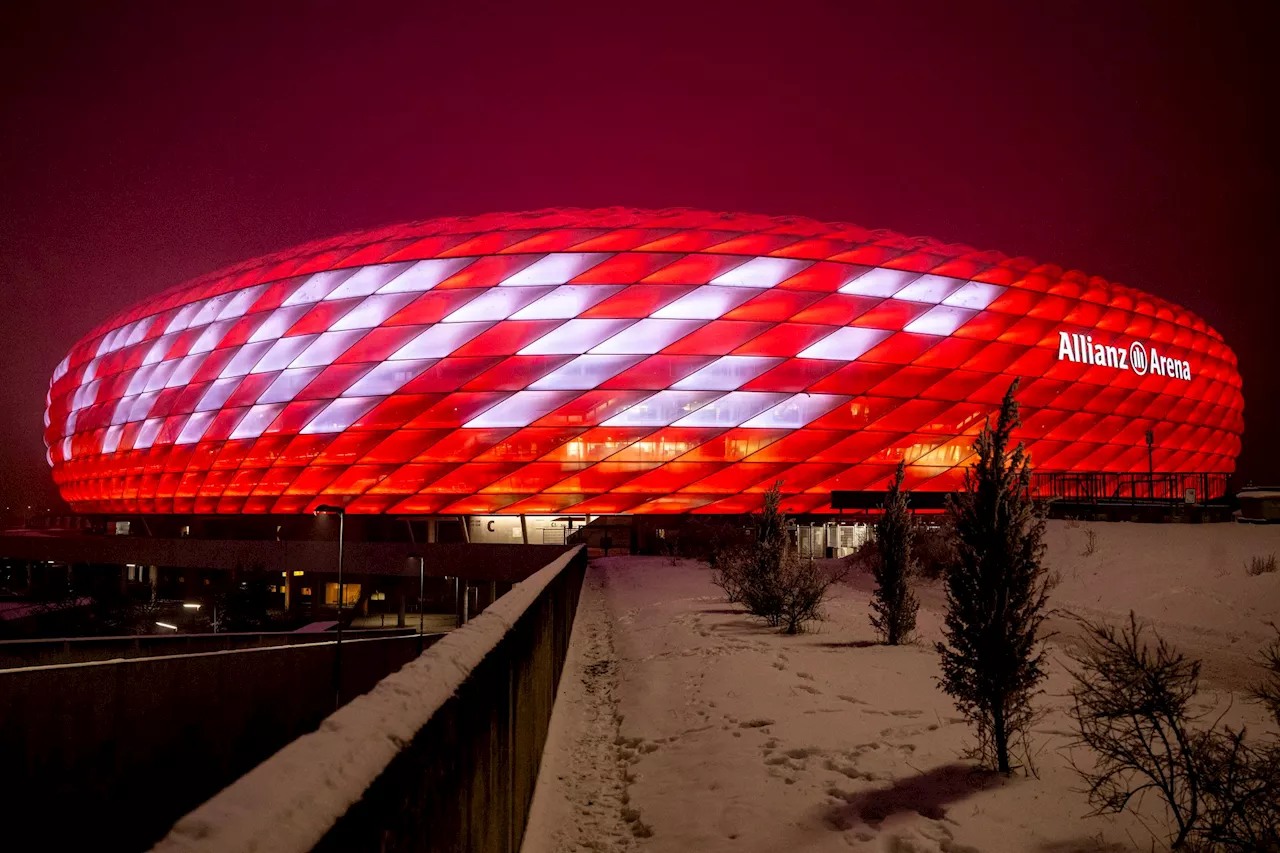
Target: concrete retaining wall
{"points": [[46, 652], [442, 755], [106, 755]]}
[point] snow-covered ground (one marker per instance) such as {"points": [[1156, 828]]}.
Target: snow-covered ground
{"points": [[684, 725]]}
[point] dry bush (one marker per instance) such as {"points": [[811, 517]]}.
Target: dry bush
{"points": [[934, 548], [1261, 565], [1090, 543], [1133, 709], [1267, 692], [769, 578]]}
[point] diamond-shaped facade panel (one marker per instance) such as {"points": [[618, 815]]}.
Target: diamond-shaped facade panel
{"points": [[620, 361]]}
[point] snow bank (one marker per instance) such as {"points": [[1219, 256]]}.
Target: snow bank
{"points": [[292, 799], [682, 724]]}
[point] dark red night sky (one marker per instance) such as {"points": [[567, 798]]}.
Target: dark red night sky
{"points": [[144, 143]]}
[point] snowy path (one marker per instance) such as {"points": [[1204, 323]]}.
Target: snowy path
{"points": [[684, 725]]}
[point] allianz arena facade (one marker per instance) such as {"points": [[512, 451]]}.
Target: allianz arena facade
{"points": [[621, 361]]}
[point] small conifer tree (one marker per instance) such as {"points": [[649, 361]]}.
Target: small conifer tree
{"points": [[997, 590], [893, 604]]}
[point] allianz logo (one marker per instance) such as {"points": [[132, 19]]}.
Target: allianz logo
{"points": [[1082, 349]]}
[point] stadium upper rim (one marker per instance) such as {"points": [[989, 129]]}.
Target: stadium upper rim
{"points": [[794, 237]]}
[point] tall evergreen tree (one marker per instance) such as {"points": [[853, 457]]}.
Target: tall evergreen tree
{"points": [[997, 590], [893, 604]]}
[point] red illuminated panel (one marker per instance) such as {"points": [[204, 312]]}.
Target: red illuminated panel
{"points": [[620, 361]]}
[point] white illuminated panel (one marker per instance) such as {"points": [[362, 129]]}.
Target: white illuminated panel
{"points": [[138, 331], [212, 336], [147, 433], [663, 408], [496, 304], [217, 393], [975, 294], [387, 378], [120, 414], [521, 409], [142, 405], [727, 373], [762, 272], [111, 440], [288, 384], [439, 340], [845, 344], [879, 281], [138, 382], [245, 358], [209, 310], [372, 311], [193, 430], [280, 321], [318, 287], [256, 420], [733, 409], [586, 372], [326, 348], [567, 301], [425, 275], [556, 268], [160, 376], [798, 411], [282, 353], [340, 414], [706, 303], [940, 320], [90, 370], [929, 288], [241, 302], [368, 279], [575, 337], [648, 336], [186, 369], [158, 349], [183, 318]]}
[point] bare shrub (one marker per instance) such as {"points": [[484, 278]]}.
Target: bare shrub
{"points": [[1267, 691], [1261, 565], [865, 559], [934, 548], [802, 589], [769, 578], [997, 592], [893, 604], [1090, 543], [1133, 708]]}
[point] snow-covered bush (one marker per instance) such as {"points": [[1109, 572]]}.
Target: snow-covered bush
{"points": [[997, 589], [893, 604]]}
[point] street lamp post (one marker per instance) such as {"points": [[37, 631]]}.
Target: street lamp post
{"points": [[328, 509], [422, 562]]}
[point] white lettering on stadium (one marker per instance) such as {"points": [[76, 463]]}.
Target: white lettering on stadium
{"points": [[1082, 350]]}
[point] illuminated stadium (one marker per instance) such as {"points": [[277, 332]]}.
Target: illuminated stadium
{"points": [[622, 362]]}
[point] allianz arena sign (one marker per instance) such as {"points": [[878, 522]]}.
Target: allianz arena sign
{"points": [[1136, 357]]}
